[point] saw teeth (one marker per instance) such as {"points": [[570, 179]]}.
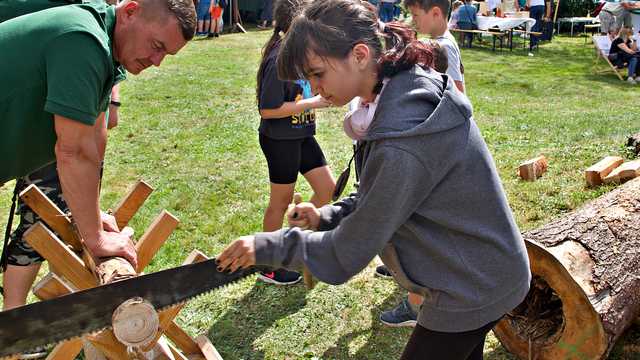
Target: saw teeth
{"points": [[50, 345]]}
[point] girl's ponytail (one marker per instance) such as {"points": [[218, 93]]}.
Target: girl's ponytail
{"points": [[403, 50]]}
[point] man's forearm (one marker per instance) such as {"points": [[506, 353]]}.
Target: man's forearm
{"points": [[79, 177], [79, 150]]}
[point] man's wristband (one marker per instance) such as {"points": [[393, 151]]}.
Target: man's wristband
{"points": [[115, 103]]}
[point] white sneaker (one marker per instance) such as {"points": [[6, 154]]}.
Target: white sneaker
{"points": [[631, 81]]}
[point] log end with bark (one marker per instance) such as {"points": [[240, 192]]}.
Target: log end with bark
{"points": [[585, 290]]}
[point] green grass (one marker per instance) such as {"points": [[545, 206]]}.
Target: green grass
{"points": [[189, 129]]}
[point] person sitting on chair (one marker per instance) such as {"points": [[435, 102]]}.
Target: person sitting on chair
{"points": [[623, 51]]}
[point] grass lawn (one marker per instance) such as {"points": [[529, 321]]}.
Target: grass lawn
{"points": [[189, 129]]}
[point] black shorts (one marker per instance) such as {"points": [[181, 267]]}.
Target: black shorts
{"points": [[286, 158]]}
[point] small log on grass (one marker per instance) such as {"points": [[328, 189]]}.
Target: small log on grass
{"points": [[532, 169], [597, 172], [585, 290], [624, 172]]}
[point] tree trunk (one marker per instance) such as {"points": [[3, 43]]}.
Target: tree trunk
{"points": [[585, 290]]}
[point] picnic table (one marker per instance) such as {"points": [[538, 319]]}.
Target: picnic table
{"points": [[501, 27], [504, 24], [577, 20]]}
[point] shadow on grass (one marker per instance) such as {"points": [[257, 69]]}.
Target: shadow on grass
{"points": [[247, 319], [382, 342]]}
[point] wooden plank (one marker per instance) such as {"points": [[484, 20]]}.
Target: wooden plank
{"points": [[195, 256], [91, 352], [182, 340], [51, 286], [131, 203], [66, 262], [168, 315], [532, 169], [106, 342], [595, 173], [176, 353], [67, 350], [154, 237], [624, 172], [50, 214], [208, 350]]}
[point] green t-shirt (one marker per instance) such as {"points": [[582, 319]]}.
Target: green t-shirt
{"points": [[10, 9], [55, 61]]}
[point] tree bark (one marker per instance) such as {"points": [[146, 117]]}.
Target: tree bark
{"points": [[586, 281]]}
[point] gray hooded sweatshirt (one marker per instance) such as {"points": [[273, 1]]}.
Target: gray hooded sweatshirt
{"points": [[430, 203]]}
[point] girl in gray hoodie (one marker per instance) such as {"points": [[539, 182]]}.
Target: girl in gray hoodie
{"points": [[430, 201]]}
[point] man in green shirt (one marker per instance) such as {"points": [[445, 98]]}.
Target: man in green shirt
{"points": [[57, 68]]}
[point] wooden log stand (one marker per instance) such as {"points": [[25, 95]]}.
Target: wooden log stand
{"points": [[72, 269], [586, 281]]}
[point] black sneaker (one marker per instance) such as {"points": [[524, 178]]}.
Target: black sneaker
{"points": [[280, 277], [383, 272]]}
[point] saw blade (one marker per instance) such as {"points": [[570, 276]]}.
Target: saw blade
{"points": [[33, 326]]}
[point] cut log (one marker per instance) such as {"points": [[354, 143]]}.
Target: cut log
{"points": [[586, 281], [624, 172], [532, 169], [597, 172], [135, 323], [114, 269], [633, 142]]}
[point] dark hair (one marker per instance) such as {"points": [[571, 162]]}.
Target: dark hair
{"points": [[426, 5], [331, 28], [440, 57], [283, 12], [183, 10]]}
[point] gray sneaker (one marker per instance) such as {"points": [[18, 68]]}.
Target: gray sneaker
{"points": [[400, 316]]}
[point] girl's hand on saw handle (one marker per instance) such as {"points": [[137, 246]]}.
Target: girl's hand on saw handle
{"points": [[239, 254], [304, 216]]}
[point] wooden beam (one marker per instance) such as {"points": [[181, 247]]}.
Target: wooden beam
{"points": [[195, 256], [176, 353], [168, 315], [131, 203], [91, 352], [50, 214], [208, 350], [595, 173], [106, 342], [51, 286], [67, 350], [624, 172], [182, 340], [151, 241], [66, 262]]}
